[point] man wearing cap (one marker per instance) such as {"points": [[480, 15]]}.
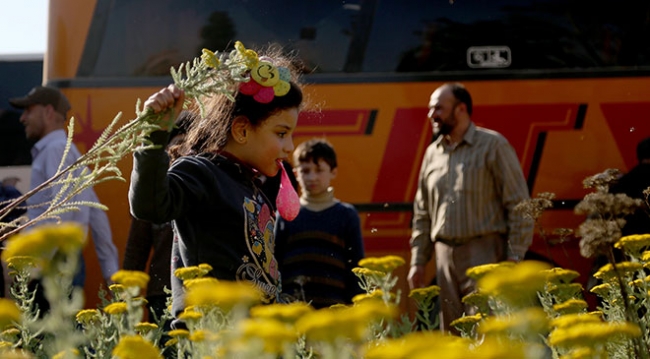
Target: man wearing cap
{"points": [[44, 117]]}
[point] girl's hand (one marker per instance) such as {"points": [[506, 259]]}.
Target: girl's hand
{"points": [[161, 102]]}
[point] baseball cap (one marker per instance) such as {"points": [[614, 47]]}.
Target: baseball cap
{"points": [[43, 95]]}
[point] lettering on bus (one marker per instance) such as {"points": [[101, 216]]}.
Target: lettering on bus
{"points": [[489, 56]]}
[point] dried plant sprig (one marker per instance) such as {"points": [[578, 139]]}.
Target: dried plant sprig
{"points": [[210, 74], [601, 181], [534, 207]]}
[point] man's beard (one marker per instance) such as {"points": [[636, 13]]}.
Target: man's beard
{"points": [[445, 127]]}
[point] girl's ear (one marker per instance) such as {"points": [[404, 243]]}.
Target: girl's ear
{"points": [[240, 128]]}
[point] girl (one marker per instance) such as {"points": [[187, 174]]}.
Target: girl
{"points": [[220, 215]]}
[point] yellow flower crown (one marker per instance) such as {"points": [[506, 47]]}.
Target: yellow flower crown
{"points": [[263, 79], [266, 81]]}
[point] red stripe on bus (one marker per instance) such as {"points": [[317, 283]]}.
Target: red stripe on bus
{"points": [[625, 121]]}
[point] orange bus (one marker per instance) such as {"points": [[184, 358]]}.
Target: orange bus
{"points": [[565, 81]]}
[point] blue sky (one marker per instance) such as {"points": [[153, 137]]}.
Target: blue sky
{"points": [[23, 26]]}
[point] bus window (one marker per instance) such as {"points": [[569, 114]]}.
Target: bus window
{"points": [[127, 38], [546, 34]]}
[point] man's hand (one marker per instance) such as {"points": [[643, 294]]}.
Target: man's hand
{"points": [[416, 276]]}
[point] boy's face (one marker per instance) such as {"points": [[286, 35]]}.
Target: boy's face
{"points": [[315, 178]]}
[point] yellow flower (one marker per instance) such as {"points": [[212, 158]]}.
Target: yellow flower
{"points": [[561, 275], [633, 244], [205, 266], [22, 263], [371, 311], [275, 334], [42, 241], [66, 354], [145, 327], [565, 291], [639, 283], [466, 323], [375, 295], [140, 301], [384, 264], [568, 320], [421, 344], [199, 281], [601, 290], [478, 272], [500, 347], [197, 336], [584, 334], [27, 244], [585, 353], [88, 316], [287, 313], [570, 306], [9, 313], [117, 288], [607, 271], [351, 323], [479, 300], [425, 294], [526, 321], [116, 308], [210, 58], [515, 284], [223, 294], [201, 335], [4, 345], [367, 272], [135, 347], [597, 314], [645, 256], [190, 315], [327, 325], [250, 57], [16, 354], [186, 273], [69, 237], [131, 278], [179, 333]]}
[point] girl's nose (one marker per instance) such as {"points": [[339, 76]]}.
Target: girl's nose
{"points": [[289, 147]]}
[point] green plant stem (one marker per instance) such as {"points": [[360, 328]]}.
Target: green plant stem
{"points": [[641, 349], [94, 151]]}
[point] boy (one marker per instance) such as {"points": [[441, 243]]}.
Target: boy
{"points": [[317, 250]]}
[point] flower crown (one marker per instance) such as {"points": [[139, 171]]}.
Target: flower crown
{"points": [[266, 80], [261, 79]]}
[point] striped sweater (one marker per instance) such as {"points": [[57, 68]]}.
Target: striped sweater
{"points": [[317, 251]]}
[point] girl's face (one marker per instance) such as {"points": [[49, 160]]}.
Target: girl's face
{"points": [[271, 141]]}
